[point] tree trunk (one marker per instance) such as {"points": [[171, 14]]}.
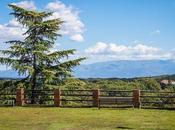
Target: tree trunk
{"points": [[33, 89], [33, 96]]}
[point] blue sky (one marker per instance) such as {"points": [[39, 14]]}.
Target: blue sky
{"points": [[105, 30]]}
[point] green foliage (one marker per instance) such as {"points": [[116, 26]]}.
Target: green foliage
{"points": [[148, 84], [73, 84], [20, 85], [33, 56], [7, 86], [119, 84]]}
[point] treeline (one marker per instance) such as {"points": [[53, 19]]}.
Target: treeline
{"points": [[153, 84], [148, 83], [117, 84]]}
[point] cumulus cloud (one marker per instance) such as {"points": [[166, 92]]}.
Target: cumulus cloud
{"points": [[112, 48], [102, 51], [100, 47], [77, 37], [26, 4], [72, 25], [11, 30]]}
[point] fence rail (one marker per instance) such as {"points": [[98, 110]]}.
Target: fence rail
{"points": [[7, 99], [157, 99], [90, 98]]}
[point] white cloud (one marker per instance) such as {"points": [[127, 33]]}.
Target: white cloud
{"points": [[13, 23], [26, 4], [77, 37], [155, 32], [102, 51], [72, 26], [111, 48], [100, 47], [11, 30]]}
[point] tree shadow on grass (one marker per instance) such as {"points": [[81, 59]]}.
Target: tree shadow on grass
{"points": [[123, 127]]}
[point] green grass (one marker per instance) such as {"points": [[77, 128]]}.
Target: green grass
{"points": [[21, 118]]}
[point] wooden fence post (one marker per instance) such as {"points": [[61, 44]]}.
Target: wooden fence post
{"points": [[57, 97], [20, 97], [136, 98], [96, 94]]}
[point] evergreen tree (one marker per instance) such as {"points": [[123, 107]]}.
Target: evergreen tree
{"points": [[32, 56]]}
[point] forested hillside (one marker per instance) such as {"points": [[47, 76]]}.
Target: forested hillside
{"points": [[144, 83]]}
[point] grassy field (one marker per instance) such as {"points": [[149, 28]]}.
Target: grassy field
{"points": [[18, 118]]}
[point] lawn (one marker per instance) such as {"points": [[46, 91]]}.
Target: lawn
{"points": [[22, 118]]}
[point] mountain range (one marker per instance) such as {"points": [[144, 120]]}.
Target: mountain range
{"points": [[116, 69], [125, 69]]}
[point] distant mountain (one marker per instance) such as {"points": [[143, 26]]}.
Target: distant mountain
{"points": [[9, 74], [125, 69], [116, 69]]}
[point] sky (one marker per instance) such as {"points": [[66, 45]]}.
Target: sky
{"points": [[103, 30]]}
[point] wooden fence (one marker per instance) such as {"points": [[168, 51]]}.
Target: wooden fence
{"points": [[7, 99], [90, 98], [154, 99]]}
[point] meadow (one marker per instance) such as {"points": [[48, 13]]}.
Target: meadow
{"points": [[29, 118]]}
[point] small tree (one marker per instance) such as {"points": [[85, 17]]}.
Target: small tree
{"points": [[32, 56]]}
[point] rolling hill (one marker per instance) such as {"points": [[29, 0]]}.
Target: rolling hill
{"points": [[125, 69], [116, 69]]}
